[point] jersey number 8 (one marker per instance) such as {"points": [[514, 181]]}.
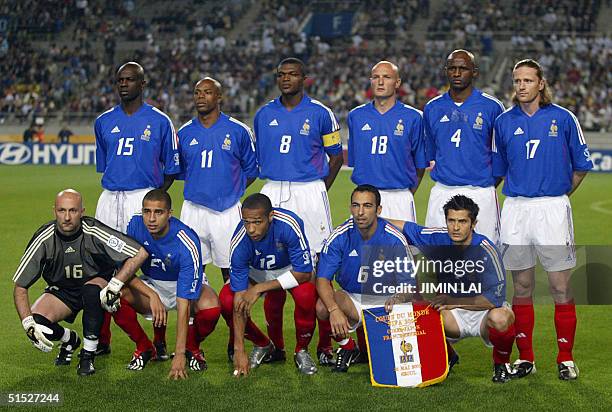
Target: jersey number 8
{"points": [[285, 143]]}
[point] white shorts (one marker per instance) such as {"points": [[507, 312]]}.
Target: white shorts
{"points": [[485, 197], [362, 303], [309, 201], [166, 289], [115, 209], [469, 323], [215, 230], [539, 225], [398, 205], [260, 276]]}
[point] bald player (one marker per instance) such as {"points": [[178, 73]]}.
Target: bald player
{"points": [[218, 157], [136, 151], [219, 163], [459, 133], [386, 144], [77, 256]]}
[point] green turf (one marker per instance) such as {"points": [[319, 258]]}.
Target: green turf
{"points": [[27, 194]]}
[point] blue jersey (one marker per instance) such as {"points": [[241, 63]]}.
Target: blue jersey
{"points": [[478, 267], [345, 252], [216, 161], [134, 152], [386, 149], [291, 145], [459, 138], [174, 257], [538, 154], [285, 244]]}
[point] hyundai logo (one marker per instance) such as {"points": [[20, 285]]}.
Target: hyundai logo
{"points": [[14, 153]]}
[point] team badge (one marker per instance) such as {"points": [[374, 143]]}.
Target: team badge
{"points": [[146, 135], [553, 129], [478, 122], [305, 128], [406, 349], [227, 143], [399, 128], [280, 246]]}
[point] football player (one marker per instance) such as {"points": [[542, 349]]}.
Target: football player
{"points": [[172, 279], [342, 258], [541, 153], [295, 137], [136, 151], [459, 130], [474, 303], [80, 259], [269, 252]]}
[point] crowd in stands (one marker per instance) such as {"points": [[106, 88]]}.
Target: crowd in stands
{"points": [[180, 47]]}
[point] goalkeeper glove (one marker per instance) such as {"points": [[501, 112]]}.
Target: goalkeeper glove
{"points": [[109, 296], [36, 333]]}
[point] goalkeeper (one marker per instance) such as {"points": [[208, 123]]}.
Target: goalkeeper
{"points": [[77, 256]]}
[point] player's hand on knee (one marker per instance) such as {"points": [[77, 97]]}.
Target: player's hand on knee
{"points": [[339, 324], [178, 369], [241, 364], [110, 295], [158, 311], [36, 334]]}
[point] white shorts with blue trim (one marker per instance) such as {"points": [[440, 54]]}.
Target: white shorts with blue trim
{"points": [[309, 201]]}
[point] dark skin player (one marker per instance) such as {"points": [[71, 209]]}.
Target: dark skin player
{"points": [[290, 81]]}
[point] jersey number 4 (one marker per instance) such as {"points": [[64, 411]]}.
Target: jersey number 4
{"points": [[456, 137]]}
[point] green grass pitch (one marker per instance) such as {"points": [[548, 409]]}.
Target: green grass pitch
{"points": [[27, 195]]}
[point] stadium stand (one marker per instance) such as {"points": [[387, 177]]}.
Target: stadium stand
{"points": [[58, 62]]}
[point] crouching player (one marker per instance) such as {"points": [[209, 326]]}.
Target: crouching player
{"points": [[343, 256], [472, 300], [77, 256], [172, 279], [269, 251]]}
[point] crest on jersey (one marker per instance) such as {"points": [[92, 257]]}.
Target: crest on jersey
{"points": [[227, 143], [280, 246], [146, 135], [553, 131], [305, 128], [399, 128], [406, 348], [478, 122]]}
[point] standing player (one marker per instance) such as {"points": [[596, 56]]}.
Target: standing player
{"points": [[77, 257], [218, 159], [477, 308], [136, 150], [386, 144], [295, 136], [342, 257], [459, 130], [172, 279], [542, 154], [269, 252]]}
